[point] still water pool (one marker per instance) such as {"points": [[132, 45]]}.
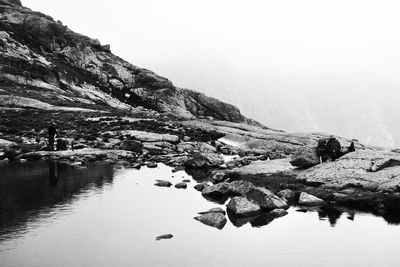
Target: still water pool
{"points": [[57, 215]]}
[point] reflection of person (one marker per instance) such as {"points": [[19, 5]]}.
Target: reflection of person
{"points": [[52, 132], [54, 172]]}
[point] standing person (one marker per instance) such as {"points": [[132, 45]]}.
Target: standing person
{"points": [[52, 132]]}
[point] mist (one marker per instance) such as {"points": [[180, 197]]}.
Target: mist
{"points": [[294, 65]]}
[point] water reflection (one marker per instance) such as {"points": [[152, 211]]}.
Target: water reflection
{"points": [[33, 190]]}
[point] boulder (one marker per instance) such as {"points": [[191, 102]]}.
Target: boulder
{"points": [[266, 199], [310, 200], [204, 160], [305, 157], [214, 219], [240, 187], [132, 145], [163, 183], [278, 212], [241, 206], [287, 194], [200, 187]]}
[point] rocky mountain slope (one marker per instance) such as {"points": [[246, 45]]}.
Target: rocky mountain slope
{"points": [[42, 59]]}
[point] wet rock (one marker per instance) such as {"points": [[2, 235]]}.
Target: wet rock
{"points": [[218, 177], [287, 194], [266, 199], [186, 181], [305, 157], [181, 185], [214, 219], [161, 237], [240, 187], [216, 191], [200, 187], [241, 206], [163, 183], [132, 145], [310, 200], [213, 210], [204, 160]]}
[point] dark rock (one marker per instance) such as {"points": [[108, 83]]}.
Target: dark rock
{"points": [[305, 157], [161, 237], [151, 165], [181, 185], [266, 199], [214, 219], [132, 145], [310, 200], [241, 206], [11, 154], [278, 212], [163, 183]]}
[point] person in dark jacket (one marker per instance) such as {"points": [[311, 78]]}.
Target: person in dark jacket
{"points": [[333, 148], [52, 132]]}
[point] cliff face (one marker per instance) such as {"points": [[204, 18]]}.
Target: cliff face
{"points": [[42, 59]]}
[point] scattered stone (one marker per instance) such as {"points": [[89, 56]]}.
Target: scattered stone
{"points": [[161, 237], [310, 200], [241, 206], [266, 199], [204, 160], [163, 183], [181, 185], [213, 219]]}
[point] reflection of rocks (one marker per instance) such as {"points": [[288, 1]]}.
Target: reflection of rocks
{"points": [[213, 219], [241, 206], [310, 200], [331, 213]]}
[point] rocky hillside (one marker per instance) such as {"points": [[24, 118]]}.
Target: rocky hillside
{"points": [[42, 63]]}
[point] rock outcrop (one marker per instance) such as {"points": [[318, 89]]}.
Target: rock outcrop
{"points": [[44, 60]]}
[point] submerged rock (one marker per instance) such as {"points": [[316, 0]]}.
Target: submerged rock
{"points": [[310, 200], [241, 206], [214, 219], [266, 199]]}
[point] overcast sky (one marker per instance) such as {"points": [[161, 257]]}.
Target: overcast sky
{"points": [[236, 50]]}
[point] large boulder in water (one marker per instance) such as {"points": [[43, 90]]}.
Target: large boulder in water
{"points": [[305, 157], [266, 199], [241, 206]]}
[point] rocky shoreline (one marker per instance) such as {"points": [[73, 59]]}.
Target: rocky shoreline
{"points": [[257, 178]]}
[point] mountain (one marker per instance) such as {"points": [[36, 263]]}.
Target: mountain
{"points": [[42, 63]]}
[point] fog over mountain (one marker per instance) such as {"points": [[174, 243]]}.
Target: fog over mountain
{"points": [[293, 65]]}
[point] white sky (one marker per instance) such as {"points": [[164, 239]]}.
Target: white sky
{"points": [[237, 50]]}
